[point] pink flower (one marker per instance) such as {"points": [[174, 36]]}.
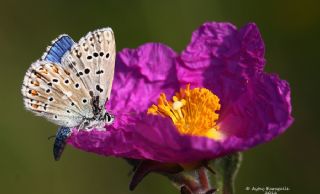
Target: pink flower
{"points": [[223, 102]]}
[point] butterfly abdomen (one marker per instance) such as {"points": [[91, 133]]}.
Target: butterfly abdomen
{"points": [[60, 141]]}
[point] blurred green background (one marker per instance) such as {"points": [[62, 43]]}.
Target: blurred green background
{"points": [[290, 30]]}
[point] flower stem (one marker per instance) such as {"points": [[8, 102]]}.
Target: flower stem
{"points": [[227, 168]]}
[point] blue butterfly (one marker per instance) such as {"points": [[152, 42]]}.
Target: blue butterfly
{"points": [[70, 84]]}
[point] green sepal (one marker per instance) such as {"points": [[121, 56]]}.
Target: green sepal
{"points": [[226, 169]]}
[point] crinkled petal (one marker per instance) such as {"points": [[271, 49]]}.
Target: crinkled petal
{"points": [[140, 75], [222, 41], [156, 138], [260, 113], [222, 58], [150, 137], [114, 141]]}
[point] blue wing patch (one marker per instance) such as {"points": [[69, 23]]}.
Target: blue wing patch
{"points": [[58, 48], [60, 141]]}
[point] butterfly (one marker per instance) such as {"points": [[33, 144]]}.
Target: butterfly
{"points": [[70, 84]]}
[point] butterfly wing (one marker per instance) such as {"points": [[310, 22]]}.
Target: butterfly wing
{"points": [[58, 48], [60, 86], [93, 60], [51, 91], [65, 93]]}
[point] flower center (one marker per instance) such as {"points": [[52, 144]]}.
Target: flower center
{"points": [[193, 112]]}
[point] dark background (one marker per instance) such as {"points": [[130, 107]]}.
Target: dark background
{"points": [[290, 30]]}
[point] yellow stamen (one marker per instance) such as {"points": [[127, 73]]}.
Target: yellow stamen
{"points": [[193, 112]]}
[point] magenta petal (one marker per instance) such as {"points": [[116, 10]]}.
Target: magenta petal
{"points": [[150, 137], [222, 41], [132, 137], [210, 40], [153, 60], [141, 75], [252, 48], [261, 112], [222, 59], [115, 141], [155, 138]]}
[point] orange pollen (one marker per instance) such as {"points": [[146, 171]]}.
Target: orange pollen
{"points": [[192, 111]]}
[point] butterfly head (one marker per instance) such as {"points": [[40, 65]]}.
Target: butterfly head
{"points": [[99, 121]]}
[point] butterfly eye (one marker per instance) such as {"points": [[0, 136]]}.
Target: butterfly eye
{"points": [[110, 118]]}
